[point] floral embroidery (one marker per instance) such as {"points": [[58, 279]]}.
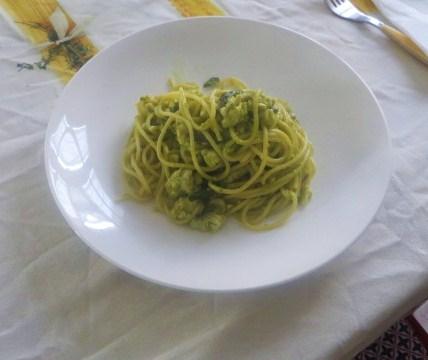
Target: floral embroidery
{"points": [[62, 41]]}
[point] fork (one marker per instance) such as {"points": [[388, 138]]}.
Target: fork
{"points": [[345, 9]]}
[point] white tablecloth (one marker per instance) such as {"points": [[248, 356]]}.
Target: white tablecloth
{"points": [[58, 300], [411, 16]]}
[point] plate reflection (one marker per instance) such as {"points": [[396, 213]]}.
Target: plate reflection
{"points": [[82, 196]]}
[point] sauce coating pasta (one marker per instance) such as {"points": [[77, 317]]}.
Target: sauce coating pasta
{"points": [[232, 152]]}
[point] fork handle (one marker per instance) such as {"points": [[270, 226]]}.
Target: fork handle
{"points": [[405, 42]]}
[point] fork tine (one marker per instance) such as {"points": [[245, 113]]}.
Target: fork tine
{"points": [[346, 9], [331, 3]]}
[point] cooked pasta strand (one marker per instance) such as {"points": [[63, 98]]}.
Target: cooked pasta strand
{"points": [[235, 151]]}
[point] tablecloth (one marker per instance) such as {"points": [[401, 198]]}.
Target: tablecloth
{"points": [[58, 300], [410, 16]]}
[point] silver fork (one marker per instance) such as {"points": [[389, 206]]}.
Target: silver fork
{"points": [[345, 9]]}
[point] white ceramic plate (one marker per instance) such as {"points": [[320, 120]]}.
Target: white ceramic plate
{"points": [[95, 112]]}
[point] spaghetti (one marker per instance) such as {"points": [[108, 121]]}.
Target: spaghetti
{"points": [[203, 157]]}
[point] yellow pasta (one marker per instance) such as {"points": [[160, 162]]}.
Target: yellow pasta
{"points": [[205, 156]]}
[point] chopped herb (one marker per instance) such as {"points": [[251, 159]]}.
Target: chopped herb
{"points": [[211, 82], [204, 194], [226, 96]]}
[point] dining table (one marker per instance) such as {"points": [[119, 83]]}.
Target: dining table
{"points": [[60, 300]]}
